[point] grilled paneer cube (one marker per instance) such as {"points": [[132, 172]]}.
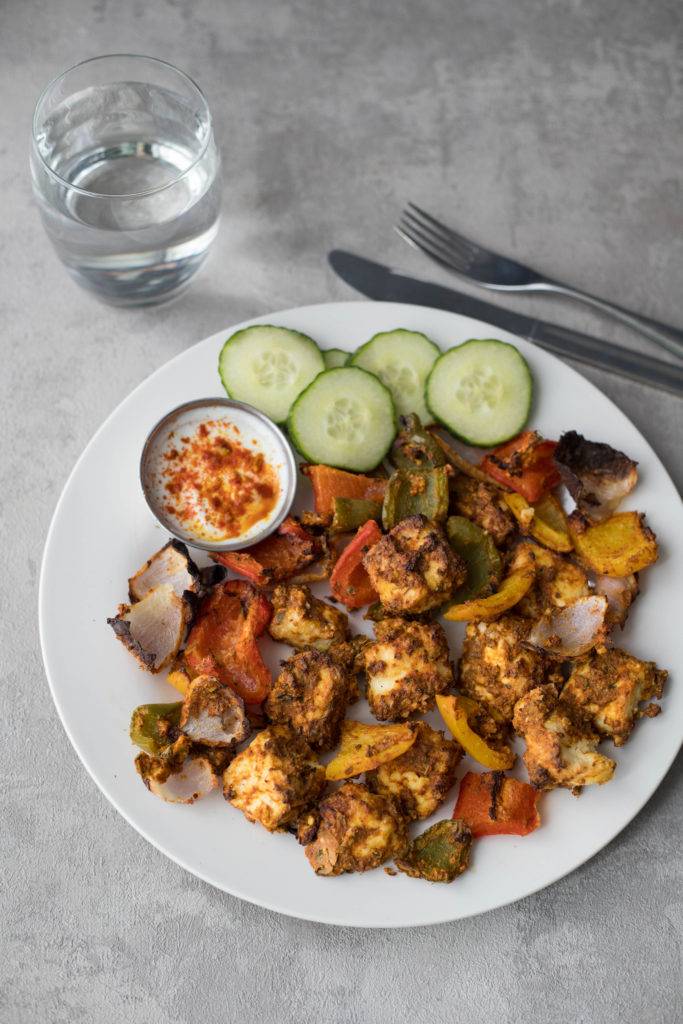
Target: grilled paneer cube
{"points": [[310, 696], [421, 778], [302, 620], [560, 743], [405, 668], [496, 670], [274, 779], [480, 503], [558, 582], [608, 686], [413, 567], [357, 831]]}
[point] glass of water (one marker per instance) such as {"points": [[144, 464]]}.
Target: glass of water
{"points": [[126, 172]]}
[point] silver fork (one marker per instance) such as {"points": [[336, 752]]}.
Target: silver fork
{"points": [[490, 270]]}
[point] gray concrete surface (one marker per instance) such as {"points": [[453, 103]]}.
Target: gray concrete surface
{"points": [[553, 130]]}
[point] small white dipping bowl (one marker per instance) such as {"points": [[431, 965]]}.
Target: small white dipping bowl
{"points": [[256, 431]]}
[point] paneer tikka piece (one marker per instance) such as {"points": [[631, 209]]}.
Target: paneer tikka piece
{"points": [[482, 504], [560, 743], [413, 567], [274, 779], [357, 831], [302, 620], [421, 778], [608, 687], [496, 670], [406, 666], [310, 696]]}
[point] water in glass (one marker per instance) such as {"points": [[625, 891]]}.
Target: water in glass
{"points": [[127, 178]]}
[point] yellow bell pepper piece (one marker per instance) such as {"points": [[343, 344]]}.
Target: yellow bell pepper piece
{"points": [[179, 677], [364, 747], [544, 520], [454, 713], [511, 590], [619, 546]]}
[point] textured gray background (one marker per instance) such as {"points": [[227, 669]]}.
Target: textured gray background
{"points": [[551, 129]]}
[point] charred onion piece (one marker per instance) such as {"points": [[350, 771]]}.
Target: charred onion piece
{"points": [[152, 629], [213, 714], [596, 475], [570, 631], [620, 591], [176, 775], [172, 564]]}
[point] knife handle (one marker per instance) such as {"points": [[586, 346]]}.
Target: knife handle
{"points": [[637, 365]]}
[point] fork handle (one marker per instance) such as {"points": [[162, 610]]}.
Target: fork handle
{"points": [[629, 319]]}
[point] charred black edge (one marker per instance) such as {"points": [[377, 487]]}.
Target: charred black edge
{"points": [[574, 450], [584, 463], [192, 567], [213, 574], [122, 630]]}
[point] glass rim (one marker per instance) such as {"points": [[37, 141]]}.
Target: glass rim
{"points": [[119, 195]]}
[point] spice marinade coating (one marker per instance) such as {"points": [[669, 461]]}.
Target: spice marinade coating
{"points": [[277, 779]]}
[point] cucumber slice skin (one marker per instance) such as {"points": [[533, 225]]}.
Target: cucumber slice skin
{"points": [[310, 415], [335, 357], [502, 420], [238, 367], [390, 354]]}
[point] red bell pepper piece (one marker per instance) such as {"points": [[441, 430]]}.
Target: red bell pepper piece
{"points": [[279, 556], [330, 483], [524, 464], [222, 642], [349, 581], [493, 804]]}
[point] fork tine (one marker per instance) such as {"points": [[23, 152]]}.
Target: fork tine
{"points": [[440, 237], [472, 248], [434, 247], [412, 238]]}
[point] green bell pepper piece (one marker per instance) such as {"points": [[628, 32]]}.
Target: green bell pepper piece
{"points": [[440, 854], [152, 724], [481, 556], [351, 513], [414, 448], [413, 491]]}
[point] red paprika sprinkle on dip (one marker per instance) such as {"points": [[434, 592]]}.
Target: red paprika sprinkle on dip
{"points": [[218, 474], [215, 484]]}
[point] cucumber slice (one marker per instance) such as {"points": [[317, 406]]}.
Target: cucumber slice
{"points": [[402, 360], [267, 367], [481, 391], [345, 418], [334, 357]]}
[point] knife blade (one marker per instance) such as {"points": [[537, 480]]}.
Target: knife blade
{"points": [[382, 283]]}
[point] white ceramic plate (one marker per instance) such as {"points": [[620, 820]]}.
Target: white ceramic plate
{"points": [[102, 532]]}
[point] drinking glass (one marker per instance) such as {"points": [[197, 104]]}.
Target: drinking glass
{"points": [[126, 172]]}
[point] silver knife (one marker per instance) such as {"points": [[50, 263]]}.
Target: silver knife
{"points": [[380, 282]]}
